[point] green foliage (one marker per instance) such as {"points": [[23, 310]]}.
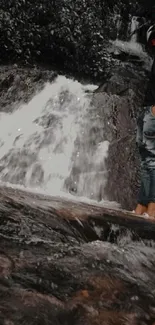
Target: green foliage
{"points": [[69, 34]]}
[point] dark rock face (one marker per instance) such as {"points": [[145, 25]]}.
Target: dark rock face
{"points": [[126, 89], [18, 85], [115, 107]]}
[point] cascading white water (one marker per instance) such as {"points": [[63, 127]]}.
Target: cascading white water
{"points": [[132, 47], [117, 20], [134, 26], [38, 140]]}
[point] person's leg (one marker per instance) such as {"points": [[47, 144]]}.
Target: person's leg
{"points": [[151, 205], [141, 207], [149, 140]]}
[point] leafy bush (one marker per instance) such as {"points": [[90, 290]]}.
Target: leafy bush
{"points": [[69, 34]]}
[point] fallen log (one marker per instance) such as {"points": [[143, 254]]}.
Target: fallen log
{"points": [[56, 268]]}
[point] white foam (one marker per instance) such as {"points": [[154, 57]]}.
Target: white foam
{"points": [[133, 48], [63, 195]]}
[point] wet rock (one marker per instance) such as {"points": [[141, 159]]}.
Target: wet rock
{"points": [[119, 101], [51, 274], [19, 84], [106, 162]]}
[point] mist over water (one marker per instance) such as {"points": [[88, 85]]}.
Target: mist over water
{"points": [[40, 141]]}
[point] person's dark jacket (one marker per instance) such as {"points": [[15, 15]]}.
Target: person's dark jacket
{"points": [[149, 99]]}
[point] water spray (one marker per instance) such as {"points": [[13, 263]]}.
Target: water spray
{"points": [[138, 28]]}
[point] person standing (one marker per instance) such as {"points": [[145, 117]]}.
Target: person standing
{"points": [[146, 140]]}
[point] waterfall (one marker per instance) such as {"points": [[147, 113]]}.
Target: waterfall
{"points": [[43, 144], [134, 26]]}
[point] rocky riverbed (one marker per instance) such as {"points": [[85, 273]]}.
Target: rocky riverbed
{"points": [[53, 270]]}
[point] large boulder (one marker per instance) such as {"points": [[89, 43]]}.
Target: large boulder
{"points": [[125, 90], [108, 165]]}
